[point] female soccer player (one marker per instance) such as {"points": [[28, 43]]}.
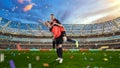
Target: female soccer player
{"points": [[55, 22]]}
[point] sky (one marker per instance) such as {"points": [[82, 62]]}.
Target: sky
{"points": [[67, 11]]}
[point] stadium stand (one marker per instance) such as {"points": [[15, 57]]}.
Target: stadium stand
{"points": [[30, 36]]}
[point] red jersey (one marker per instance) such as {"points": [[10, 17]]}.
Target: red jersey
{"points": [[56, 31], [62, 28]]}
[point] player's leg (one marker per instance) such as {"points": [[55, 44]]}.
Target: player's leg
{"points": [[65, 38], [63, 34], [53, 43], [73, 41], [57, 49], [60, 51], [59, 42], [70, 40]]}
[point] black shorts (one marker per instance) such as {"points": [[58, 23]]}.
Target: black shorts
{"points": [[63, 33], [59, 40]]}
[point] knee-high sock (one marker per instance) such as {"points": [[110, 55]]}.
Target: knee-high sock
{"points": [[70, 40], [53, 43], [59, 52]]}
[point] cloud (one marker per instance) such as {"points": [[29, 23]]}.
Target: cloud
{"points": [[28, 7], [28, 0], [96, 12], [21, 1], [68, 12], [111, 11]]}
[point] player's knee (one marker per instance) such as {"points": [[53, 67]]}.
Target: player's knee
{"points": [[64, 38], [59, 46]]}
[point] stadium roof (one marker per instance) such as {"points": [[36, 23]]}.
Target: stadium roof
{"points": [[34, 29]]}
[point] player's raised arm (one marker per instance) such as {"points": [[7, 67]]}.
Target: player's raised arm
{"points": [[47, 23], [40, 21]]}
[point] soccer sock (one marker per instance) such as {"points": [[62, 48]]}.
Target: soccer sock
{"points": [[60, 52], [70, 40], [53, 43]]}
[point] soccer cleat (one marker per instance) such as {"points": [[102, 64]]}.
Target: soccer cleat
{"points": [[61, 60], [76, 43], [57, 59]]}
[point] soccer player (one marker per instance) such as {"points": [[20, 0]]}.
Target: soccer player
{"points": [[58, 40], [55, 22]]}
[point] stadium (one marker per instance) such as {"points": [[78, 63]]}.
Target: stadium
{"points": [[29, 45]]}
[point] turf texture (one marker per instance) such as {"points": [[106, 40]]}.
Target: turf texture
{"points": [[72, 59]]}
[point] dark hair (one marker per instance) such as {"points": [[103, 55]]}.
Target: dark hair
{"points": [[52, 14], [57, 21], [48, 21]]}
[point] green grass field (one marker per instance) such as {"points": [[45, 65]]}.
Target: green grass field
{"points": [[72, 59]]}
